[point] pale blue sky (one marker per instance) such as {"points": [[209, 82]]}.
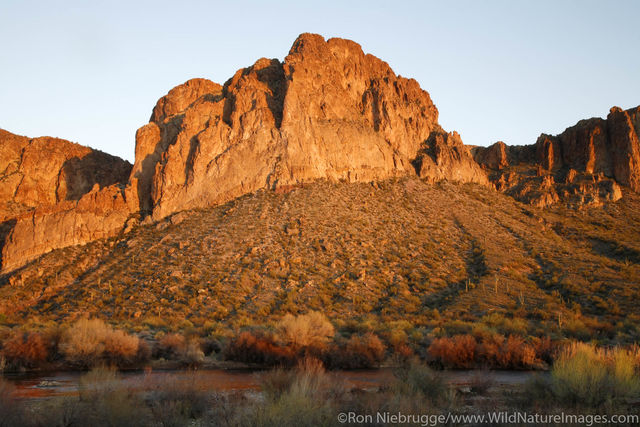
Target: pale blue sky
{"points": [[91, 71]]}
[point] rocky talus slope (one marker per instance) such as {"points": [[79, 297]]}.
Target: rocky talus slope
{"points": [[398, 253]]}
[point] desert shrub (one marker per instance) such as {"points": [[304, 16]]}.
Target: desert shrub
{"points": [[59, 411], [464, 351], [304, 396], [193, 354], [260, 348], [515, 353], [177, 347], [291, 410], [120, 347], [211, 346], [276, 381], [107, 402], [170, 346], [575, 328], [490, 349], [306, 330], [545, 349], [360, 351], [418, 379], [586, 375], [26, 349], [504, 325], [89, 342], [175, 401], [456, 352]]}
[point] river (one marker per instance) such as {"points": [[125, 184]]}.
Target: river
{"points": [[46, 385]]}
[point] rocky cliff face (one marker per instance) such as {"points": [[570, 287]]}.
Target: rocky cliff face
{"points": [[327, 112], [584, 165], [45, 171], [55, 193]]}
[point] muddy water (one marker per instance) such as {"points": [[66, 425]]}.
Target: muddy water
{"points": [[37, 386]]}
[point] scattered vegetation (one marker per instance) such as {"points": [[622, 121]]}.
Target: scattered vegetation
{"points": [[351, 275], [440, 258], [584, 378]]}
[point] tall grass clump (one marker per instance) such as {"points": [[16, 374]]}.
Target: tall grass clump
{"points": [[305, 396], [105, 401], [584, 374], [176, 400], [416, 379]]}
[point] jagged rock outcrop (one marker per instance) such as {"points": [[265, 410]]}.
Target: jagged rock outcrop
{"points": [[329, 111], [98, 214], [45, 171], [493, 157], [56, 193], [444, 156], [584, 165]]}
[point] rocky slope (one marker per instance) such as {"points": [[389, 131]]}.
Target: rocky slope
{"points": [[584, 165], [399, 253]]}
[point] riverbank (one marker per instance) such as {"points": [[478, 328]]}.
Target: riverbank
{"points": [[64, 383], [308, 395]]}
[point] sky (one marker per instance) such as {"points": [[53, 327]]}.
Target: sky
{"points": [[91, 71]]}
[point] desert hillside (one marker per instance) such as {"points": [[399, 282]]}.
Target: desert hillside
{"points": [[400, 256]]}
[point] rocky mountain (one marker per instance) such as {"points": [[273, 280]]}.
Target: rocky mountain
{"points": [[584, 165], [327, 112], [46, 171]]}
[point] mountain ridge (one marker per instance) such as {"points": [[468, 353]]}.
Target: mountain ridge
{"points": [[328, 111]]}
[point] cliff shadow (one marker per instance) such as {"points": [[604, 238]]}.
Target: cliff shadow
{"points": [[5, 230], [80, 174], [168, 133], [272, 75]]}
